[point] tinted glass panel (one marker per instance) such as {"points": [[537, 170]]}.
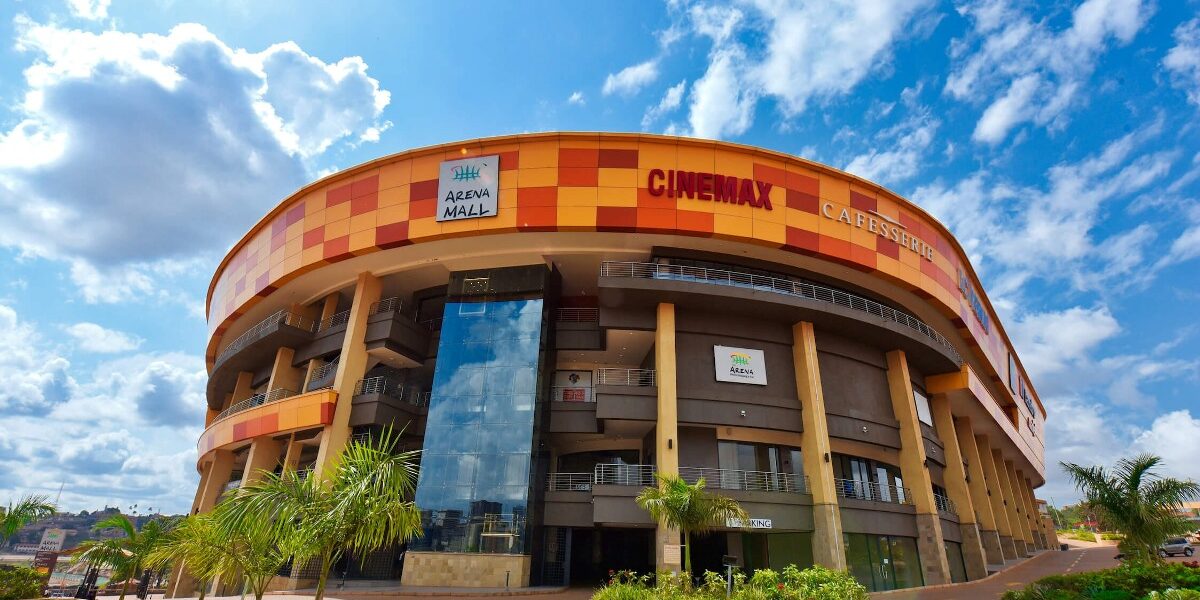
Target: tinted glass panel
{"points": [[958, 569], [905, 562]]}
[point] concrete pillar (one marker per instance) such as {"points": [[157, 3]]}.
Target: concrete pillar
{"points": [[930, 544], [828, 546], [182, 584], [666, 432], [241, 389], [996, 496], [1031, 515], [283, 375], [291, 455], [351, 367], [264, 456], [218, 475], [1015, 522], [957, 488], [989, 537]]}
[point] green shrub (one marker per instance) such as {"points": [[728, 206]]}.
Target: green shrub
{"points": [[1112, 536], [1126, 582], [814, 583], [20, 582]]}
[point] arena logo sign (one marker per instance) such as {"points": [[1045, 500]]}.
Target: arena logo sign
{"points": [[976, 304], [739, 365], [468, 188], [881, 225], [709, 187]]}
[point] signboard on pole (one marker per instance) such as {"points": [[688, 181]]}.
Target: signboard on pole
{"points": [[672, 554]]}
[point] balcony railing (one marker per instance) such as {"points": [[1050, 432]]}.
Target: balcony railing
{"points": [[569, 482], [777, 285], [333, 321], [255, 401], [634, 377], [281, 317], [321, 373], [393, 389], [578, 315], [866, 490], [944, 504], [621, 474], [573, 393], [433, 324], [751, 481], [387, 305]]}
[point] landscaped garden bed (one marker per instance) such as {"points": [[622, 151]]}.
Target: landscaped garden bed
{"points": [[1131, 581], [814, 583]]}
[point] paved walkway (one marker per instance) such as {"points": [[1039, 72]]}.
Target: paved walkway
{"points": [[1017, 576]]}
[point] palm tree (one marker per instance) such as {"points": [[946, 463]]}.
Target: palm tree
{"points": [[687, 507], [128, 555], [361, 505], [195, 543], [29, 509], [1134, 499]]}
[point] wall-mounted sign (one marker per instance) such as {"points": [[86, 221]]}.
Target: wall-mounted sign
{"points": [[740, 365], [709, 186], [673, 554], [749, 524], [573, 386], [972, 298], [468, 187], [880, 225]]}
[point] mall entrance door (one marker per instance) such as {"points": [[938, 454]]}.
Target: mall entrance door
{"points": [[597, 550]]}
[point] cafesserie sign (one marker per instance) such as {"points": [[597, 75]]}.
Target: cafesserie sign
{"points": [[468, 188], [740, 365], [880, 225]]}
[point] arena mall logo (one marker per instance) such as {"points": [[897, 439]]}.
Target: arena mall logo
{"points": [[880, 225], [465, 173], [709, 187], [739, 365]]}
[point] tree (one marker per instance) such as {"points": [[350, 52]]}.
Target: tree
{"points": [[128, 555], [195, 543], [362, 504], [29, 509], [688, 508], [1136, 501]]}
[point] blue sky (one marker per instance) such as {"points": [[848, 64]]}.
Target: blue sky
{"points": [[138, 140]]}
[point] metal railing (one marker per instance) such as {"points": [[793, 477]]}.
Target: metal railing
{"points": [[254, 401], [635, 377], [333, 321], [230, 486], [622, 474], [944, 504], [868, 490], [280, 317], [391, 388], [569, 482], [324, 370], [433, 324], [777, 285], [573, 393], [578, 315], [751, 481], [387, 305]]}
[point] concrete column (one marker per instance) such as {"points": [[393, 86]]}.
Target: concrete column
{"points": [[351, 367], [218, 476], [996, 496], [241, 389], [977, 484], [182, 584], [283, 375], [930, 544], [264, 456], [666, 432], [291, 456], [1015, 522], [828, 546], [957, 488], [1032, 519]]}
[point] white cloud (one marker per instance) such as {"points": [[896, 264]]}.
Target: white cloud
{"points": [[1024, 70], [89, 9], [1050, 343], [91, 337], [900, 150], [670, 101], [576, 98], [1183, 60], [35, 377], [722, 104], [631, 79], [180, 125]]}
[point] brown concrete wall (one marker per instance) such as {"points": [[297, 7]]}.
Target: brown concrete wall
{"points": [[454, 569]]}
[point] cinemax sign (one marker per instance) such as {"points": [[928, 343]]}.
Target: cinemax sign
{"points": [[468, 188]]}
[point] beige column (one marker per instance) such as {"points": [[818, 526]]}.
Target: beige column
{"points": [[214, 484], [930, 544], [996, 495], [291, 456], [1015, 522], [264, 456], [241, 389], [977, 484], [182, 584], [957, 488], [350, 369], [828, 546], [1031, 514], [666, 432], [283, 375]]}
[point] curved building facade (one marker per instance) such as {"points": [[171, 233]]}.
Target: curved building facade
{"points": [[555, 318]]}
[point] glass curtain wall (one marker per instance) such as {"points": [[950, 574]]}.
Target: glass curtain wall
{"points": [[883, 562]]}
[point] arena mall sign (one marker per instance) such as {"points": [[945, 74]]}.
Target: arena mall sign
{"points": [[879, 224], [468, 188]]}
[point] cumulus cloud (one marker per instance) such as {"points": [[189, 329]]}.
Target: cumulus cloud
{"points": [[89, 9], [631, 79], [670, 101], [91, 337], [1183, 60], [35, 377], [576, 98], [898, 151], [1024, 70], [123, 139]]}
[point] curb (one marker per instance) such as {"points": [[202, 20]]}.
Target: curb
{"points": [[458, 593], [967, 584]]}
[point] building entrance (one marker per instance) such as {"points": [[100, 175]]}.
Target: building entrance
{"points": [[596, 551]]}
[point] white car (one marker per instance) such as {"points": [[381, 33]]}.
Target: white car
{"points": [[1175, 546]]}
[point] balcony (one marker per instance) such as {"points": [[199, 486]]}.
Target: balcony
{"points": [[626, 394], [872, 492], [256, 348], [278, 411], [254, 402], [748, 481], [394, 336], [777, 297], [569, 482], [383, 401], [944, 504], [578, 329]]}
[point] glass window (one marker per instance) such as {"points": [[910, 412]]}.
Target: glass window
{"points": [[923, 412], [785, 549], [906, 563], [958, 569], [858, 559]]}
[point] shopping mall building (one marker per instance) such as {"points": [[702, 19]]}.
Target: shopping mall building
{"points": [[554, 319]]}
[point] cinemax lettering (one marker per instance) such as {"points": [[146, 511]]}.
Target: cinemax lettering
{"points": [[709, 187], [881, 225]]}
